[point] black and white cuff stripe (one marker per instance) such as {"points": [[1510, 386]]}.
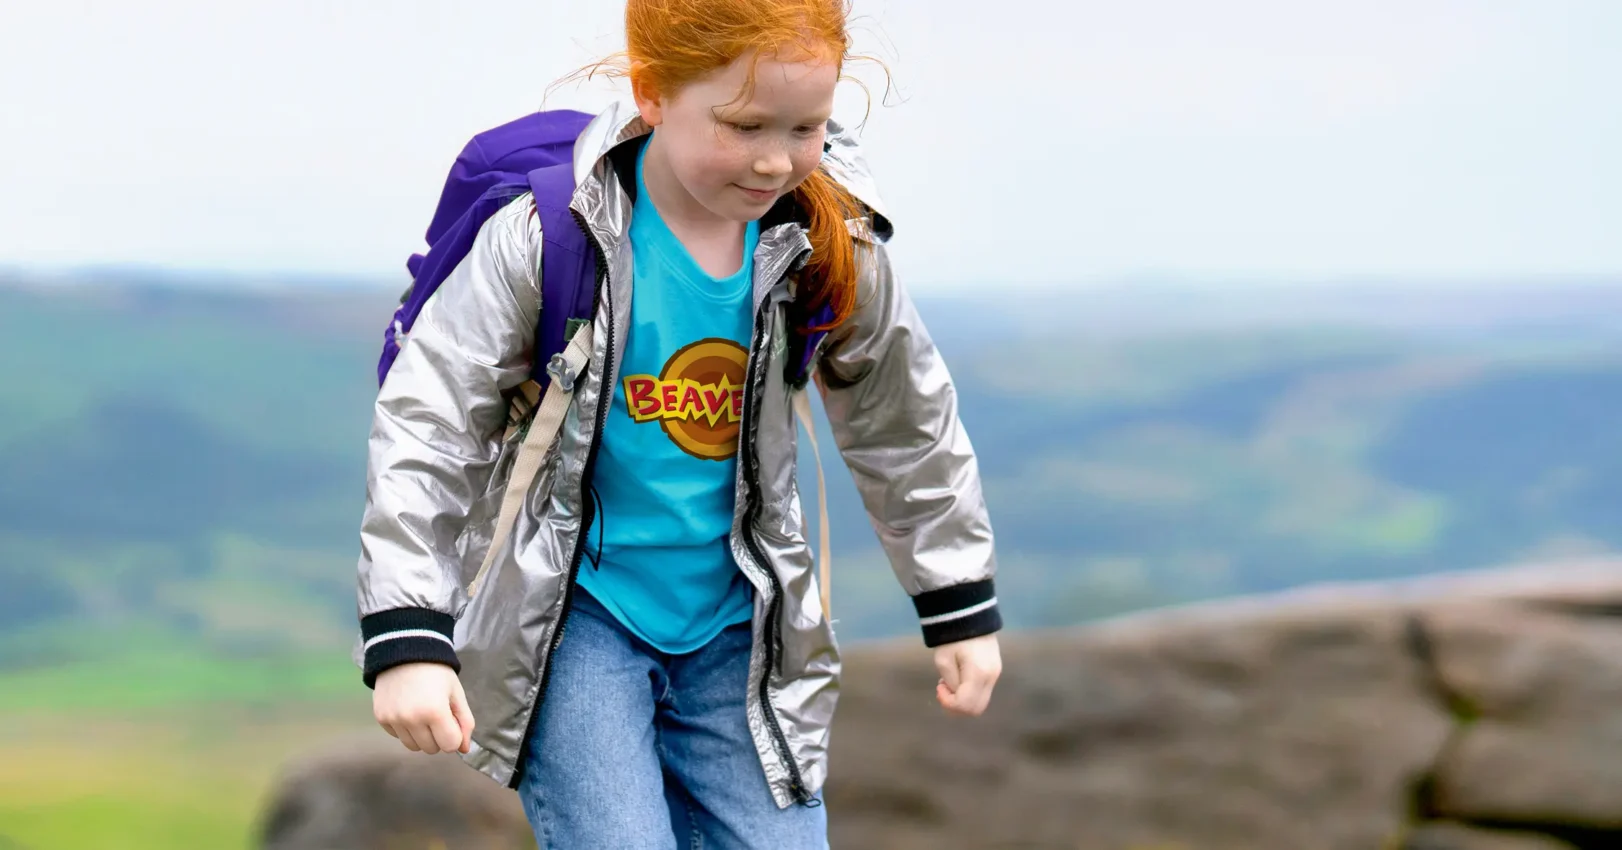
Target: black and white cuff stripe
{"points": [[406, 635], [959, 612]]}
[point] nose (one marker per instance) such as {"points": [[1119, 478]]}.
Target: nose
{"points": [[773, 162]]}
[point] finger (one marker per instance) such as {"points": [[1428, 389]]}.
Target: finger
{"points": [[427, 738], [990, 685], [464, 719], [447, 733], [951, 702], [946, 663], [987, 682], [984, 701], [969, 695], [383, 718], [407, 739]]}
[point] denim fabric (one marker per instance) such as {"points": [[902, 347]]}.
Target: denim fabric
{"points": [[634, 749]]}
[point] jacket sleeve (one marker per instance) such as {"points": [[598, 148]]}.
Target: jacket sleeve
{"points": [[435, 439], [893, 411]]}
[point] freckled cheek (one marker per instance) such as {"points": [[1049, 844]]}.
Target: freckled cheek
{"points": [[805, 159], [713, 172], [727, 163]]}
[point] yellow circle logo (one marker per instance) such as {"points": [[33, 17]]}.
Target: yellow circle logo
{"points": [[697, 398]]}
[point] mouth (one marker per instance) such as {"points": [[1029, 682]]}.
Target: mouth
{"points": [[758, 194]]}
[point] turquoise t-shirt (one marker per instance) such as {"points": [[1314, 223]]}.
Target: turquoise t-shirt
{"points": [[666, 466]]}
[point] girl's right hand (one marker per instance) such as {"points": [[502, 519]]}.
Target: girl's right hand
{"points": [[423, 705]]}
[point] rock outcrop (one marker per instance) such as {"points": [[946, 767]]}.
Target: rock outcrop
{"points": [[373, 794], [1480, 711]]}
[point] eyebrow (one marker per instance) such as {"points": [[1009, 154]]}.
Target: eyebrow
{"points": [[748, 116]]}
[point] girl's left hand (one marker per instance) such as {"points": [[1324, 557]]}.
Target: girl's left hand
{"points": [[969, 670]]}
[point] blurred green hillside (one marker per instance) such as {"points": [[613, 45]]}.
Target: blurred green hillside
{"points": [[184, 466]]}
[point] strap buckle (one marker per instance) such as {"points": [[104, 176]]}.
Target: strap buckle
{"points": [[562, 375]]}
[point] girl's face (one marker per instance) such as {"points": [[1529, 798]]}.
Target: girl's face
{"points": [[733, 157]]}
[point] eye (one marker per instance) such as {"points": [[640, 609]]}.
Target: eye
{"points": [[807, 129], [744, 127]]}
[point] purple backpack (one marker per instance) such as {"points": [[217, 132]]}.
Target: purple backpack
{"points": [[532, 154]]}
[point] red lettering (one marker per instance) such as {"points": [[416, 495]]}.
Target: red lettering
{"points": [[639, 392], [649, 398], [715, 403], [691, 404]]}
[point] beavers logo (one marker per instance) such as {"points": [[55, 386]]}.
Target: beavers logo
{"points": [[698, 399]]}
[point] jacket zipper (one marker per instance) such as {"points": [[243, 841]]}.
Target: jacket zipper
{"points": [[751, 512], [588, 507]]}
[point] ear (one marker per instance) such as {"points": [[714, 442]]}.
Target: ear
{"points": [[647, 98]]}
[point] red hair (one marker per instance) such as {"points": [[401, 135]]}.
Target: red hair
{"points": [[670, 43]]}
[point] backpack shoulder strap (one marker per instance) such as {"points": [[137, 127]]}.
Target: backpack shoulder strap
{"points": [[568, 266], [563, 344], [539, 434]]}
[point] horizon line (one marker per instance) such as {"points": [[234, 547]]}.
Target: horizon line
{"points": [[222, 277]]}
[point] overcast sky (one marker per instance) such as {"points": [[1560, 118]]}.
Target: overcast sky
{"points": [[1033, 141]]}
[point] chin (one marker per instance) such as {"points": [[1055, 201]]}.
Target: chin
{"points": [[742, 212]]}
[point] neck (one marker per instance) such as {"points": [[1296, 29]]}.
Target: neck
{"points": [[682, 213]]}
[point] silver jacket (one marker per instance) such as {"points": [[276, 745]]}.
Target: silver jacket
{"points": [[438, 461]]}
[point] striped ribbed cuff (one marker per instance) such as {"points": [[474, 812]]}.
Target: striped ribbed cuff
{"points": [[959, 612], [407, 635]]}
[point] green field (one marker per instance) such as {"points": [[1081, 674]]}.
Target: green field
{"points": [[158, 751]]}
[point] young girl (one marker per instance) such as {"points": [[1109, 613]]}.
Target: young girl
{"points": [[676, 688]]}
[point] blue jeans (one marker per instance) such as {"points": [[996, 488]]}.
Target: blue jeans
{"points": [[634, 749]]}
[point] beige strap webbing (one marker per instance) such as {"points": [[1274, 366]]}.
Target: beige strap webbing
{"points": [[543, 430]]}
